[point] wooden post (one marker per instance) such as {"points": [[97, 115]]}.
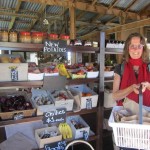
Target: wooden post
{"points": [[72, 30]]}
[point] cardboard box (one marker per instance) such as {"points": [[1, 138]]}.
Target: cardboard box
{"points": [[10, 115], [79, 89], [58, 83], [34, 76], [67, 103], [78, 133], [5, 71], [41, 108], [42, 142]]}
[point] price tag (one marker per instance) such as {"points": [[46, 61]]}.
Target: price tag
{"points": [[14, 74], [89, 103], [55, 146], [55, 116]]}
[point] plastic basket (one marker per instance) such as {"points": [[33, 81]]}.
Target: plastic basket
{"points": [[130, 135], [79, 141]]}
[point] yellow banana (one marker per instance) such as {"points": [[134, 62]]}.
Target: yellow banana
{"points": [[69, 131], [62, 70]]}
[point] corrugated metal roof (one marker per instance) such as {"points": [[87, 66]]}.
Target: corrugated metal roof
{"points": [[8, 3], [87, 16], [140, 4], [106, 18], [4, 24], [30, 6], [123, 3], [54, 10], [106, 2]]}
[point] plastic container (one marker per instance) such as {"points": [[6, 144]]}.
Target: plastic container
{"points": [[25, 37], [52, 36], [37, 37], [4, 36], [13, 36]]}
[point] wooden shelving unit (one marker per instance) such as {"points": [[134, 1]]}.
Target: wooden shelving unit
{"points": [[93, 116]]}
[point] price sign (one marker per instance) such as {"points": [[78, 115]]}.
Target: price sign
{"points": [[14, 74], [55, 116], [55, 146], [55, 46], [89, 103]]}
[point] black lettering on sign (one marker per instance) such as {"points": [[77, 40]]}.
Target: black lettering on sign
{"points": [[14, 74], [55, 46], [55, 116], [55, 146]]}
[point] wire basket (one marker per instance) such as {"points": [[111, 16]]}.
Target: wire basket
{"points": [[130, 135], [79, 141]]}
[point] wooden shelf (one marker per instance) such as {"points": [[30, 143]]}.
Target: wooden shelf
{"points": [[40, 83], [82, 81], [39, 47], [110, 79], [21, 46], [32, 119], [113, 51], [22, 84], [83, 49]]}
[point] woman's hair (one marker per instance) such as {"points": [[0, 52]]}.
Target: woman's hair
{"points": [[145, 54]]}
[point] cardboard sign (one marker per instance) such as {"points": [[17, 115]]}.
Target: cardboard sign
{"points": [[55, 46], [55, 116], [55, 146]]}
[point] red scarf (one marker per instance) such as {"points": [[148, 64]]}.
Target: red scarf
{"points": [[129, 78]]}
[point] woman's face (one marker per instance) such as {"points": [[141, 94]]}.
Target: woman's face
{"points": [[135, 48]]}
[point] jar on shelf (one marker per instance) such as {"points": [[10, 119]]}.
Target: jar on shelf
{"points": [[4, 36], [37, 37], [44, 36], [13, 36], [53, 36], [66, 38], [25, 37]]}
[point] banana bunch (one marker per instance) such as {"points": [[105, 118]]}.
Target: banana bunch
{"points": [[62, 70], [65, 130]]}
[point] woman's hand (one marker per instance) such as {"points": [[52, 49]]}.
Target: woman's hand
{"points": [[145, 85], [135, 88]]}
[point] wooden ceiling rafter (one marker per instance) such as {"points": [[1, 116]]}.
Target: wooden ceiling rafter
{"points": [[80, 15], [85, 6], [41, 10], [130, 5], [94, 2], [129, 26], [14, 17], [145, 11], [112, 4]]}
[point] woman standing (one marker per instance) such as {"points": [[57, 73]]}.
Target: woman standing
{"points": [[132, 73]]}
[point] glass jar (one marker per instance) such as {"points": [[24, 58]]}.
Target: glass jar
{"points": [[25, 37], [37, 37], [66, 38], [4, 36], [12, 36], [44, 36], [53, 36]]}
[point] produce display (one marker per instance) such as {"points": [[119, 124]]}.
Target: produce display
{"points": [[60, 95], [10, 59], [12, 103], [47, 134], [76, 124], [42, 100]]}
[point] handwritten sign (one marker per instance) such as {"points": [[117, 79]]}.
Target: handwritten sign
{"points": [[55, 46], [55, 146], [55, 116]]}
